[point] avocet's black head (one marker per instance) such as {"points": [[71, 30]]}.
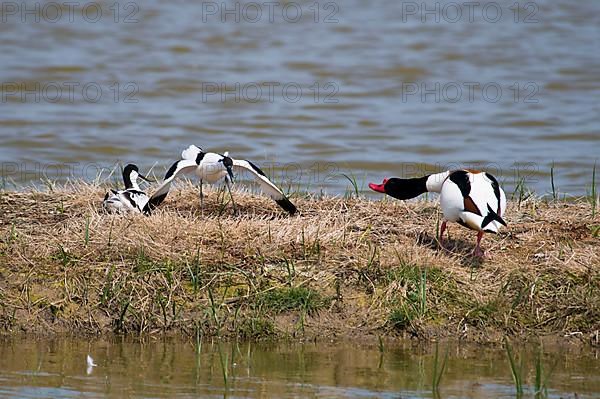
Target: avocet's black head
{"points": [[130, 175], [228, 163]]}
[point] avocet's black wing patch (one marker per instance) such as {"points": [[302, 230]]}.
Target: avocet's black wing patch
{"points": [[287, 205], [182, 166], [266, 185], [199, 157], [256, 168], [171, 171]]}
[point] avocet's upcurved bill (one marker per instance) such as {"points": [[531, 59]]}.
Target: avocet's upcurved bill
{"points": [[471, 198], [130, 199], [211, 167]]}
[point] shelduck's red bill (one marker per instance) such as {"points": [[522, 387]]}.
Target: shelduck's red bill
{"points": [[380, 188]]}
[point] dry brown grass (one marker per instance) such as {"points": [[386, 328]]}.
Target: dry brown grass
{"points": [[351, 267]]}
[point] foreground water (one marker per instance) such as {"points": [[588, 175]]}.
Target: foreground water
{"points": [[312, 90], [167, 369]]}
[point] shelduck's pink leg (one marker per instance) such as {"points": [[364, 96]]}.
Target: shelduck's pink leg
{"points": [[442, 230], [478, 251]]}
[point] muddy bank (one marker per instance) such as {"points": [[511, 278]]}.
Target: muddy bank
{"points": [[342, 267]]}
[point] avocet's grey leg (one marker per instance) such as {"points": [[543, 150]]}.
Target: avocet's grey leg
{"points": [[201, 199], [228, 184]]}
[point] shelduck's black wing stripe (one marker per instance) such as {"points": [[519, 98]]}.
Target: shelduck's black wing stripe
{"points": [[461, 179], [199, 157], [496, 188]]}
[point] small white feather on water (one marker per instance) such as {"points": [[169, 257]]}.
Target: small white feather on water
{"points": [[90, 365]]}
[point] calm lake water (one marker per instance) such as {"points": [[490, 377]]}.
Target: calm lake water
{"points": [[173, 369], [309, 90]]}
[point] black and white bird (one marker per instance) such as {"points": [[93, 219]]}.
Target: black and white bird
{"points": [[471, 198], [132, 199], [211, 167]]}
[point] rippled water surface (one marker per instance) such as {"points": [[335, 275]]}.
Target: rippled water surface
{"points": [[308, 90], [174, 369]]}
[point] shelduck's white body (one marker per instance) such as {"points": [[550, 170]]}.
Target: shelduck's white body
{"points": [[460, 209]]}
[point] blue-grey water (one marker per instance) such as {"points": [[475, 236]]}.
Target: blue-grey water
{"points": [[155, 368], [309, 90]]}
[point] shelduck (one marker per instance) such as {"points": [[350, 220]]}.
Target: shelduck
{"points": [[211, 167], [471, 198]]}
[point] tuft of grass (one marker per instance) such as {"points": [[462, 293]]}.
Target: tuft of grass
{"points": [[142, 262], [12, 237], [552, 181], [107, 291], [414, 304], [214, 312], [541, 376], [65, 257], [224, 366], [194, 271], [290, 267], [120, 323], [86, 238], [353, 182], [515, 369], [110, 232], [521, 192], [439, 366], [293, 298], [593, 192], [255, 328]]}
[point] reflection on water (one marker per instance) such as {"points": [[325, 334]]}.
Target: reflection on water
{"points": [[172, 368], [375, 90]]}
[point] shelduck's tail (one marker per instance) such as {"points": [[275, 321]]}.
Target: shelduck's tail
{"points": [[490, 217]]}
